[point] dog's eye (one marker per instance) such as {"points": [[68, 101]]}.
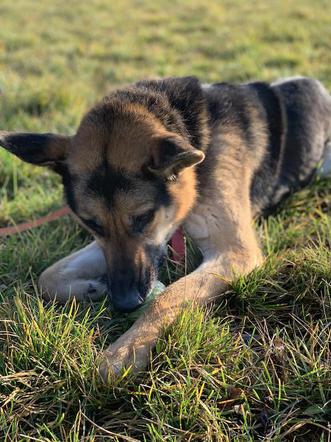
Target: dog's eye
{"points": [[95, 226], [139, 222]]}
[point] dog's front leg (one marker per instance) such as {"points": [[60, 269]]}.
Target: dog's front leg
{"points": [[224, 232], [201, 287], [81, 275], [133, 347]]}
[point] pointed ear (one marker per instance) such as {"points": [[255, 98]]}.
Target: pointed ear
{"points": [[171, 154], [39, 149]]}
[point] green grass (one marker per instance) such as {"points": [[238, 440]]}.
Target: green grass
{"points": [[257, 366]]}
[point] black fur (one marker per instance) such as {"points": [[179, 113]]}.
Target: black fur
{"points": [[267, 176], [186, 96], [308, 115], [106, 181], [68, 181], [40, 149], [31, 148]]}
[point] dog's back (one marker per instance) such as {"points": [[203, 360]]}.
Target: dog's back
{"points": [[296, 114], [307, 107]]}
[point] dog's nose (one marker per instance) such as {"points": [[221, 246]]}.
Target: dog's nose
{"points": [[124, 292], [126, 303]]}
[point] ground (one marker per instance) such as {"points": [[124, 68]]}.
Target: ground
{"points": [[256, 366]]}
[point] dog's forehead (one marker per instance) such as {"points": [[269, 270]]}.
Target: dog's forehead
{"points": [[122, 137], [108, 189], [113, 185]]}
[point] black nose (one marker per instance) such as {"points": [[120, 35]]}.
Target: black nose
{"points": [[128, 288], [127, 302]]}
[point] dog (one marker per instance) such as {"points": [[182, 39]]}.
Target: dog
{"points": [[164, 153]]}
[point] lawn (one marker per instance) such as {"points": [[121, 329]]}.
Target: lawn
{"points": [[256, 366]]}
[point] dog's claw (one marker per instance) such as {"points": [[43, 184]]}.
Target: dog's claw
{"points": [[108, 369], [114, 361]]}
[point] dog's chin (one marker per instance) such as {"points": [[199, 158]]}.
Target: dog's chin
{"points": [[161, 257], [159, 260], [149, 284]]}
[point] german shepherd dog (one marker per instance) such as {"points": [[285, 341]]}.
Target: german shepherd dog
{"points": [[163, 153]]}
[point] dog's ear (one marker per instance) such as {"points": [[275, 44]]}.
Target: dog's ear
{"points": [[40, 149], [171, 154]]}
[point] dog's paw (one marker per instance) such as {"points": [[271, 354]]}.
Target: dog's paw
{"points": [[117, 358], [85, 289], [94, 288], [80, 289]]}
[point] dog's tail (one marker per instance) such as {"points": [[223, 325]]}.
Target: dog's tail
{"points": [[325, 168]]}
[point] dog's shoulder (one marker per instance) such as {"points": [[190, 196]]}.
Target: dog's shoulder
{"points": [[227, 101], [253, 113]]}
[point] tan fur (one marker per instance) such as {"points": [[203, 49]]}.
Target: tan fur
{"points": [[134, 127], [138, 128]]}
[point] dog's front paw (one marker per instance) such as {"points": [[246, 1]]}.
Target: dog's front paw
{"points": [[119, 357], [81, 289]]}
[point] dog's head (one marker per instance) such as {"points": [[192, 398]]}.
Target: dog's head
{"points": [[128, 179]]}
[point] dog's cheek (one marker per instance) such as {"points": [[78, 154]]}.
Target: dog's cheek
{"points": [[156, 255], [183, 194]]}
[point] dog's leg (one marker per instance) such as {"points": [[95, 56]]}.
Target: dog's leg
{"points": [[81, 275], [223, 230]]}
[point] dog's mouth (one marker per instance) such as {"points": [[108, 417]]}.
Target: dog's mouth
{"points": [[130, 291], [158, 288]]}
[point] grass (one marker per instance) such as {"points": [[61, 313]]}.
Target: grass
{"points": [[257, 366]]}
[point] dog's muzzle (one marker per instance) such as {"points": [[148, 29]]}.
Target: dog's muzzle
{"points": [[127, 302], [126, 294], [129, 286]]}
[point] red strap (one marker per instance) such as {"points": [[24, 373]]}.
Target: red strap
{"points": [[8, 231]]}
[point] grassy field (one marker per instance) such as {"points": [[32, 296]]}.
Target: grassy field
{"points": [[257, 366]]}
